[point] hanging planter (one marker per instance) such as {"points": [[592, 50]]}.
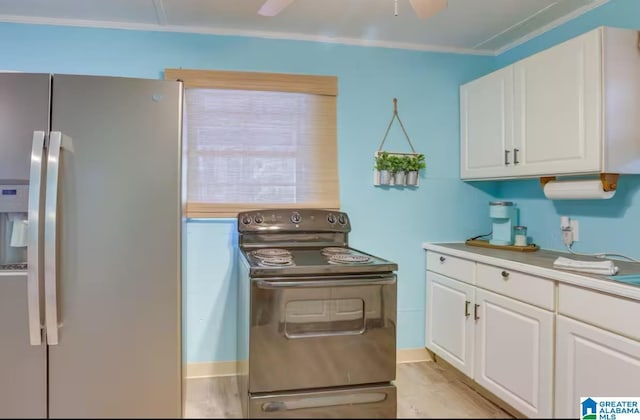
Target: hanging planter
{"points": [[383, 168], [414, 164], [394, 168]]}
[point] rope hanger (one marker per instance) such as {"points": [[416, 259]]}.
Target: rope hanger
{"points": [[396, 115]]}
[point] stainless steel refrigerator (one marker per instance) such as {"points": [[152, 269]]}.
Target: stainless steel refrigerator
{"points": [[90, 180]]}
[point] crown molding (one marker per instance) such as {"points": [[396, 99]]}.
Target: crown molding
{"points": [[162, 27], [243, 33], [551, 25]]}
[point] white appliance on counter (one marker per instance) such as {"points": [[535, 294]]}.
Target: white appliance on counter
{"points": [[90, 313]]}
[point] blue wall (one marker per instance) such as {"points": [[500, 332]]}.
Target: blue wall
{"points": [[388, 222], [605, 225]]}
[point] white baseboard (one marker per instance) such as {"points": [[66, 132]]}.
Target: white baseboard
{"points": [[413, 355], [210, 369], [213, 369]]}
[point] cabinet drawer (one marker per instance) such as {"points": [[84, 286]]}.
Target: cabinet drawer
{"points": [[527, 288], [613, 313], [449, 266]]}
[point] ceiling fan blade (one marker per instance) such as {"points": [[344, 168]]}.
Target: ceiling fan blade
{"points": [[428, 8], [273, 7]]}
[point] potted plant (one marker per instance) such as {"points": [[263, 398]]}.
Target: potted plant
{"points": [[383, 166], [414, 164], [397, 169]]}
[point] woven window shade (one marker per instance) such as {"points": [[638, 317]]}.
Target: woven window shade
{"points": [[253, 149]]}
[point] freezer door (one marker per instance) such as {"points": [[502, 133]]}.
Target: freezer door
{"points": [[23, 367], [118, 249], [24, 108]]}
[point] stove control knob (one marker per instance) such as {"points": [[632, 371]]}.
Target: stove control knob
{"points": [[331, 218], [259, 219], [295, 217], [246, 220], [342, 219]]}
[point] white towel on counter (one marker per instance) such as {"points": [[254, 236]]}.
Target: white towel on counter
{"points": [[606, 268]]}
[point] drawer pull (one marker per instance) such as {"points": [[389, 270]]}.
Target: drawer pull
{"points": [[505, 275], [442, 259], [466, 308], [475, 312]]}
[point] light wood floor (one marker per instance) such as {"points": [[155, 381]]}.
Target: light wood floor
{"points": [[425, 390]]}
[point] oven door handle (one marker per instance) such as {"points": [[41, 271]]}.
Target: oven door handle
{"points": [[300, 282]]}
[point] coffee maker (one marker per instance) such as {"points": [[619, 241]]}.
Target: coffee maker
{"points": [[504, 217], [13, 227]]}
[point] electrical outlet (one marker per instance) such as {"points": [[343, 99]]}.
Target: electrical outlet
{"points": [[575, 229], [567, 230]]}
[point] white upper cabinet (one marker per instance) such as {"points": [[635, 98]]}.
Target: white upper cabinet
{"points": [[558, 108], [567, 110], [486, 125]]}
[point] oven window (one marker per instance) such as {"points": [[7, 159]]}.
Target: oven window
{"points": [[305, 318]]}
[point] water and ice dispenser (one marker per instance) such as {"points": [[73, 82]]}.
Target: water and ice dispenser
{"points": [[14, 201]]}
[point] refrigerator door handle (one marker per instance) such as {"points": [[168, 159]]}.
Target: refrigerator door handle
{"points": [[33, 239], [57, 142]]}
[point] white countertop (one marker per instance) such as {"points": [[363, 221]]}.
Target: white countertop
{"points": [[540, 263]]}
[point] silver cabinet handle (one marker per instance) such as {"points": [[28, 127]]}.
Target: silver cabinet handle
{"points": [[442, 259], [56, 143], [466, 308], [515, 156], [506, 157], [475, 312], [33, 239], [505, 275]]}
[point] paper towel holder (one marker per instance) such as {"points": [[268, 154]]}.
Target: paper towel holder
{"points": [[609, 181]]}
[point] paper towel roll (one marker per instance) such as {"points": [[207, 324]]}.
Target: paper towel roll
{"points": [[576, 190]]}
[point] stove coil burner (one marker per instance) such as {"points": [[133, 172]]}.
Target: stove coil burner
{"points": [[273, 257], [335, 250], [348, 259], [271, 252], [275, 261]]}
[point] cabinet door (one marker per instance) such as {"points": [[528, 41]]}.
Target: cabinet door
{"points": [[486, 126], [592, 362], [514, 353], [558, 95], [449, 323]]}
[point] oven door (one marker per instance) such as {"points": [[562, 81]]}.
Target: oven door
{"points": [[316, 332]]}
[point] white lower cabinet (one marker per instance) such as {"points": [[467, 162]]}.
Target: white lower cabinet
{"points": [[593, 362], [503, 344], [449, 327], [537, 343], [514, 353]]}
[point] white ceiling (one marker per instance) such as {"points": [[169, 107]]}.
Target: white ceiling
{"points": [[466, 26]]}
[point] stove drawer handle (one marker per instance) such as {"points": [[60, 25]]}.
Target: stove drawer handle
{"points": [[265, 284]]}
